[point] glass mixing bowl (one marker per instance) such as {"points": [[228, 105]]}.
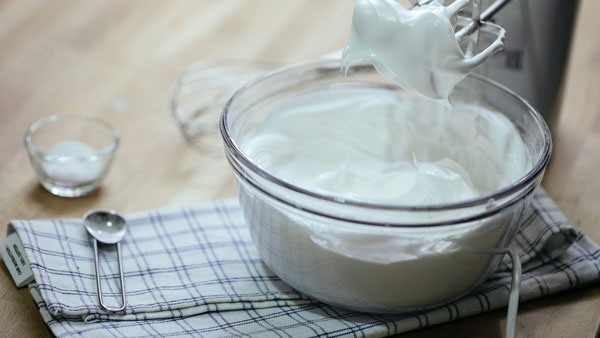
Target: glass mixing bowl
{"points": [[367, 256]]}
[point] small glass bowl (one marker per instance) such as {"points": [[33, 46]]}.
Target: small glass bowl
{"points": [[71, 155]]}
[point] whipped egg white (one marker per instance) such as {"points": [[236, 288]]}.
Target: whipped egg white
{"points": [[380, 146], [415, 48]]}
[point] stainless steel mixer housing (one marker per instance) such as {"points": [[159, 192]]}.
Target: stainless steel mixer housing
{"points": [[536, 49]]}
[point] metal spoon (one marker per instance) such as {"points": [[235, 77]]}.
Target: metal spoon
{"points": [[108, 227]]}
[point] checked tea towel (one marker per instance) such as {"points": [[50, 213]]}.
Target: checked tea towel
{"points": [[193, 271]]}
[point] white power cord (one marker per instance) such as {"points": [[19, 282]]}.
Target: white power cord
{"points": [[513, 298], [515, 287]]}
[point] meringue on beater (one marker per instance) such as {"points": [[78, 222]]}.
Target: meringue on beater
{"points": [[416, 48]]}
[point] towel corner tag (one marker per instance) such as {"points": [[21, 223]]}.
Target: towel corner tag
{"points": [[16, 260]]}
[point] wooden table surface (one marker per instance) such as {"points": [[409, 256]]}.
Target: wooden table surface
{"points": [[119, 59]]}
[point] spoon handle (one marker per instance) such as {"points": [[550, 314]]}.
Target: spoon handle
{"points": [[99, 285]]}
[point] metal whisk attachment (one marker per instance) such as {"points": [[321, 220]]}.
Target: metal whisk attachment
{"points": [[477, 21]]}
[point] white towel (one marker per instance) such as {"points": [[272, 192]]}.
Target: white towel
{"points": [[194, 271]]}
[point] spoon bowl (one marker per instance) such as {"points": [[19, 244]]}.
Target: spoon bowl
{"points": [[106, 226]]}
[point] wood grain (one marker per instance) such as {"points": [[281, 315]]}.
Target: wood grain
{"points": [[118, 60]]}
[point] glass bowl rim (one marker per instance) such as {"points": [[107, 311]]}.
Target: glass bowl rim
{"points": [[235, 152], [106, 151]]}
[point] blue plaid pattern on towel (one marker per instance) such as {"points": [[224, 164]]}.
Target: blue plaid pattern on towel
{"points": [[193, 271]]}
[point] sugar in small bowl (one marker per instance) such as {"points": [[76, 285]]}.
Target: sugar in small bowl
{"points": [[71, 155]]}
